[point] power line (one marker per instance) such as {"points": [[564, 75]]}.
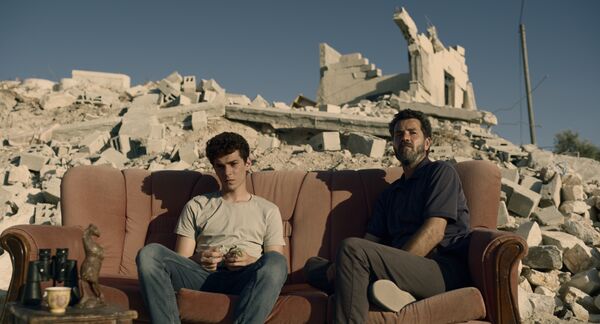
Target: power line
{"points": [[523, 97]]}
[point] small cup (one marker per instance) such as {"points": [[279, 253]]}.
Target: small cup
{"points": [[58, 299]]}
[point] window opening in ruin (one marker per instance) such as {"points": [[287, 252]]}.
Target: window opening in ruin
{"points": [[448, 89]]}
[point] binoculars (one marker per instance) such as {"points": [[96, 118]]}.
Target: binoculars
{"points": [[57, 268]]}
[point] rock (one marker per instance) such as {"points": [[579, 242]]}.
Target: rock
{"points": [[550, 192], [94, 142], [531, 232], [368, 145], [326, 141], [51, 191], [548, 216], [561, 240], [578, 258], [544, 257], [113, 157], [531, 183], [18, 174], [188, 153], [586, 281], [503, 217], [259, 101], [582, 230], [572, 295], [572, 206], [572, 192], [541, 290], [522, 201], [199, 120], [549, 280]]}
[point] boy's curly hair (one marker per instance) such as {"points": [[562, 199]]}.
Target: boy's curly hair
{"points": [[227, 143]]}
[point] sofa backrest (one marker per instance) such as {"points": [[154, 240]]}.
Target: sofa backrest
{"points": [[135, 207]]}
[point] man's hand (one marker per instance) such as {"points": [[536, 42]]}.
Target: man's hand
{"points": [[235, 260], [209, 258]]}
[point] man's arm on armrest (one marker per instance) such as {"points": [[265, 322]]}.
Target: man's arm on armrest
{"points": [[372, 238], [427, 237]]}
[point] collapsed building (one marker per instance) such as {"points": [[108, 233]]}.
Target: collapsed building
{"points": [[97, 118]]}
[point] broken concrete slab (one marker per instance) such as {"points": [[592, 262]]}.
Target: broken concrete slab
{"points": [[35, 157], [199, 120], [51, 190], [56, 100], [287, 119], [94, 142], [111, 80], [113, 157], [18, 174], [267, 142], [561, 240], [188, 152], [326, 141], [368, 145]]}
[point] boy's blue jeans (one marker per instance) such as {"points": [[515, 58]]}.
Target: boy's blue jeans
{"points": [[162, 272]]}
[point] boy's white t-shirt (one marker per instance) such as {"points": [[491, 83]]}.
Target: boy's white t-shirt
{"points": [[249, 225]]}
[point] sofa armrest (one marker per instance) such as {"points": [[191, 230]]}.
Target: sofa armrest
{"points": [[494, 261], [22, 242]]}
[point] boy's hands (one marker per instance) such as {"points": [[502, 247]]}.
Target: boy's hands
{"points": [[209, 257], [236, 258]]}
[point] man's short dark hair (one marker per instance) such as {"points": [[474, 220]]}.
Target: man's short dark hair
{"points": [[408, 114], [227, 143]]}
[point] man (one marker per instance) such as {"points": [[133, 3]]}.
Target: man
{"points": [[228, 241], [417, 239]]}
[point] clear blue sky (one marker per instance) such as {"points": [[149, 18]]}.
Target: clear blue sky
{"points": [[270, 47]]}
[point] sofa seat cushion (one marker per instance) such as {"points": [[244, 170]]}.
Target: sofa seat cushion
{"points": [[129, 288], [297, 304], [455, 306]]}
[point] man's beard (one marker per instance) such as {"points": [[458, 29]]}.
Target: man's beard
{"points": [[409, 157]]}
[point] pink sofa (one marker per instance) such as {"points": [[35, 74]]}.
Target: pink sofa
{"points": [[135, 207]]}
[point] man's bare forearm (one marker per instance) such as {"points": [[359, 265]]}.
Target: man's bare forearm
{"points": [[427, 237]]}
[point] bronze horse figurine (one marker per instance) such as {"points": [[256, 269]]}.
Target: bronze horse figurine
{"points": [[90, 269]]}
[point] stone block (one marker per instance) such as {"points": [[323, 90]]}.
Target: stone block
{"points": [[582, 230], [111, 80], [531, 183], [572, 179], [441, 151], [55, 100], [114, 157], [572, 192], [281, 105], [210, 96], [44, 214], [199, 120], [578, 258], [188, 84], [531, 232], [542, 304], [18, 174], [334, 109], [550, 192], [33, 159], [267, 142], [507, 187], [502, 214], [94, 142], [188, 153], [189, 98], [549, 279], [169, 88], [586, 281], [561, 240], [211, 85], [544, 257], [548, 216], [51, 191], [146, 100], [522, 201], [126, 146], [235, 99], [155, 145], [572, 295], [368, 145], [177, 166], [572, 206], [326, 141], [259, 101], [167, 100]]}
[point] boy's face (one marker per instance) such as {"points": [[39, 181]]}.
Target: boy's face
{"points": [[231, 170]]}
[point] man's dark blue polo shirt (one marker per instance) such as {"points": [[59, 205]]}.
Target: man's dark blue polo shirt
{"points": [[434, 190]]}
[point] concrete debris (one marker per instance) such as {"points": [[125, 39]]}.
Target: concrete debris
{"points": [[552, 200]]}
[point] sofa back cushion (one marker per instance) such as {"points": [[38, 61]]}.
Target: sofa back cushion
{"points": [[319, 209]]}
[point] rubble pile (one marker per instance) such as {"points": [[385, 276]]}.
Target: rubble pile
{"points": [[97, 118]]}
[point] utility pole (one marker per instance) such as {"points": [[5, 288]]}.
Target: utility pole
{"points": [[527, 84]]}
